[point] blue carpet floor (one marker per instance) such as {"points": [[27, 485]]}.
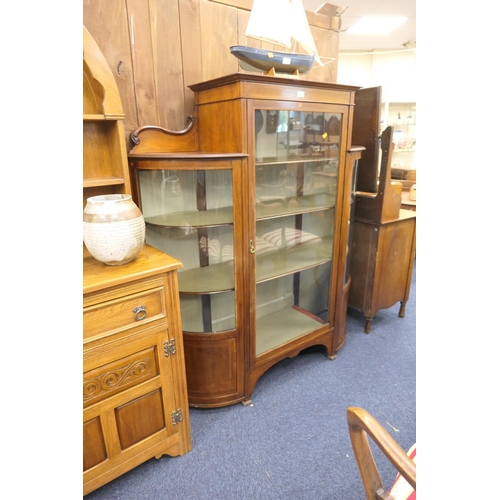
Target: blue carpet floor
{"points": [[293, 442]]}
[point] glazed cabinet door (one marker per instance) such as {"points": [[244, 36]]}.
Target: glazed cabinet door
{"points": [[297, 187], [192, 208]]}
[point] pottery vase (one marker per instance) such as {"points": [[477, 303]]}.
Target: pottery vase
{"points": [[113, 228]]}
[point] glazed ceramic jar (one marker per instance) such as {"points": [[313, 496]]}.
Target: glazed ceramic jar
{"points": [[113, 228]]}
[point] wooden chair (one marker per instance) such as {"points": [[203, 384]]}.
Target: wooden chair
{"points": [[361, 425]]}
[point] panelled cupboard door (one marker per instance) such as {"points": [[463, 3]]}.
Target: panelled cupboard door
{"points": [[128, 400]]}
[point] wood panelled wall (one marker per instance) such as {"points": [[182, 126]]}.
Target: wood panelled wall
{"points": [[156, 48]]}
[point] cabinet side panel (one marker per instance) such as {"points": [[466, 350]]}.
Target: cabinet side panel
{"points": [[178, 360], [395, 257], [362, 269], [220, 125]]}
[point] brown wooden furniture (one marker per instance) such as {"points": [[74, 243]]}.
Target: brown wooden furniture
{"points": [[105, 168], [381, 268], [361, 426], [134, 384], [261, 224], [383, 247]]}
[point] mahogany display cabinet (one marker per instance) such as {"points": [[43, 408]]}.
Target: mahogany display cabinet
{"points": [[254, 197]]}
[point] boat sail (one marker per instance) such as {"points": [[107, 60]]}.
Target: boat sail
{"points": [[284, 23]]}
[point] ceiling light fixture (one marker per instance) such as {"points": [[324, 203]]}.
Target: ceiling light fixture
{"points": [[376, 25]]}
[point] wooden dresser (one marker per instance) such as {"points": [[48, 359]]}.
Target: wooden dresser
{"points": [[134, 384]]}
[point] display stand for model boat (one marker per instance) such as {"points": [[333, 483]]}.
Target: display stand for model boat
{"points": [[272, 72], [383, 247]]}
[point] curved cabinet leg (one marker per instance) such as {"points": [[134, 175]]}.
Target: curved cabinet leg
{"points": [[248, 402], [402, 310], [368, 325]]}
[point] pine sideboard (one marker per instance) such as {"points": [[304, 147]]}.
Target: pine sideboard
{"points": [[134, 384]]}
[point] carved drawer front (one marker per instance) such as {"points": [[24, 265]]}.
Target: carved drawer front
{"points": [[124, 312], [115, 377]]}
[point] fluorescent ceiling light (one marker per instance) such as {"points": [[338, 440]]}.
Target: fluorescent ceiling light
{"points": [[376, 25]]}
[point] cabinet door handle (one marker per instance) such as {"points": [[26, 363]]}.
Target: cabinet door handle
{"points": [[252, 248], [140, 312]]}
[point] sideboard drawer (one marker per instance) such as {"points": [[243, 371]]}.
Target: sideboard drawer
{"points": [[124, 313]]}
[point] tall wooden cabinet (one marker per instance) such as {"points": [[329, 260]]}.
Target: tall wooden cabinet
{"points": [[257, 209]]}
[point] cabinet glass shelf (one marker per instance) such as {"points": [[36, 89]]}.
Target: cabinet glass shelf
{"points": [[207, 280], [283, 326], [206, 218], [279, 207], [283, 262]]}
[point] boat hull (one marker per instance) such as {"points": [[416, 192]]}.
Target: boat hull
{"points": [[252, 59]]}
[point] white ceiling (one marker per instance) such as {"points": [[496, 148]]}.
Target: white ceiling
{"points": [[360, 8]]}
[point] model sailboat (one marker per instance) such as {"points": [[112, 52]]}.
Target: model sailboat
{"points": [[284, 23]]}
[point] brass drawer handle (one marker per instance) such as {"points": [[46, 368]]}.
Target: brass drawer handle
{"points": [[140, 312]]}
